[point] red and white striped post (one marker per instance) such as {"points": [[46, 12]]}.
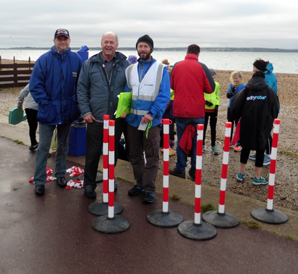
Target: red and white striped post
{"points": [[196, 229], [220, 218], [269, 214], [273, 165], [224, 172], [198, 186], [105, 158], [165, 217], [111, 168], [166, 154]]}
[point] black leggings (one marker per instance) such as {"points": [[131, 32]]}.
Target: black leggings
{"points": [[213, 121], [259, 156], [32, 122], [269, 145], [232, 120]]}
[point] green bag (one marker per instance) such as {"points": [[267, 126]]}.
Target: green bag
{"points": [[124, 103]]}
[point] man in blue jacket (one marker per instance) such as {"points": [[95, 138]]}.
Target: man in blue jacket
{"points": [[150, 85], [53, 87], [101, 80]]}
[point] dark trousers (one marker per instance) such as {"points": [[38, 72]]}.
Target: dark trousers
{"points": [[144, 174], [233, 121], [259, 156], [213, 121], [269, 145], [32, 122], [94, 148]]}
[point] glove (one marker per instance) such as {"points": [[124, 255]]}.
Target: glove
{"points": [[209, 104], [229, 95], [233, 91]]}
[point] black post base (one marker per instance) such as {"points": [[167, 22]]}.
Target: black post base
{"points": [[269, 216], [226, 220], [111, 226], [168, 219], [203, 231]]}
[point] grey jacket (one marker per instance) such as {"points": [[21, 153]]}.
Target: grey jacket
{"points": [[95, 92], [29, 103]]}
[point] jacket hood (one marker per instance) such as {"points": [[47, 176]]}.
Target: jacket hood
{"points": [[257, 82], [269, 68]]}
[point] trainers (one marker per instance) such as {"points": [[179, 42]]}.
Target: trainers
{"points": [[172, 152], [192, 173], [240, 177], [149, 198], [230, 145], [33, 148], [252, 157], [136, 190], [261, 181], [267, 160], [176, 173], [215, 152], [238, 148]]}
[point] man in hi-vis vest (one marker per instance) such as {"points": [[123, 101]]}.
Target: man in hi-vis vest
{"points": [[149, 82]]}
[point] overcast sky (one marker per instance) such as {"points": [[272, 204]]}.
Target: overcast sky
{"points": [[171, 23]]}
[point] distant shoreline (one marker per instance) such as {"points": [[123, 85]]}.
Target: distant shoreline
{"points": [[210, 49]]}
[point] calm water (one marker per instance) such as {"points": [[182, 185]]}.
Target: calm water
{"points": [[282, 62]]}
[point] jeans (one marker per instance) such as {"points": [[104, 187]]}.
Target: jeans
{"points": [[45, 138], [181, 124]]}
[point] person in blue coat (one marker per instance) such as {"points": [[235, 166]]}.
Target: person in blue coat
{"points": [[53, 87]]}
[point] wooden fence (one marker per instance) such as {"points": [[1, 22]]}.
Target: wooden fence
{"points": [[15, 74]]}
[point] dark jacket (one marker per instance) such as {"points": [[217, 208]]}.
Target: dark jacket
{"points": [[96, 93], [53, 86], [257, 105]]}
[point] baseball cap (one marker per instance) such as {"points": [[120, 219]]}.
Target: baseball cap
{"points": [[61, 32]]}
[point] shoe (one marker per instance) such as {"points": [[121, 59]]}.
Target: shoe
{"points": [[192, 173], [238, 148], [89, 192], [39, 190], [136, 190], [215, 152], [61, 181], [149, 198], [172, 152], [252, 157], [176, 173], [261, 181], [267, 160], [240, 177], [33, 148]]}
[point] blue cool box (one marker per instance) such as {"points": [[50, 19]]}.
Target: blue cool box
{"points": [[77, 140]]}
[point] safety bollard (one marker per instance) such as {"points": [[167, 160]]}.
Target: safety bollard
{"points": [[198, 230], [165, 217], [101, 208], [111, 223], [220, 218], [269, 214]]}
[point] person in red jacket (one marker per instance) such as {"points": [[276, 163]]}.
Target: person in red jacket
{"points": [[189, 80]]}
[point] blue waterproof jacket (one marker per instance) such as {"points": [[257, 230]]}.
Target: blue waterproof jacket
{"points": [[53, 86], [157, 108], [270, 77]]}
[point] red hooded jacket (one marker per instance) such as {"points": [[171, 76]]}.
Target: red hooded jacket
{"points": [[189, 83]]}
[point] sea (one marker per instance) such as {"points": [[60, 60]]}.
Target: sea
{"points": [[283, 62]]}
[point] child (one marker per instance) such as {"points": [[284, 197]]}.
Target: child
{"points": [[211, 109], [236, 86]]}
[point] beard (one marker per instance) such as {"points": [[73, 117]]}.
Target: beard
{"points": [[144, 56]]}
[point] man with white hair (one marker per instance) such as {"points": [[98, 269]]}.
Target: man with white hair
{"points": [[101, 80]]}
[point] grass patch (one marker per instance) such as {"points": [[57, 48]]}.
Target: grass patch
{"points": [[18, 142], [290, 238], [175, 197], [251, 224], [288, 153], [207, 207]]}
